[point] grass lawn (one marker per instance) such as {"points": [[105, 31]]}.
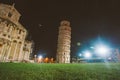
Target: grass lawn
{"points": [[83, 71]]}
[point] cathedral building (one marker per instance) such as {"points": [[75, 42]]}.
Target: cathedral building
{"points": [[64, 41], [13, 46]]}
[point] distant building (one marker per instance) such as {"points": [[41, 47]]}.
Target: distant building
{"points": [[64, 40], [13, 46]]}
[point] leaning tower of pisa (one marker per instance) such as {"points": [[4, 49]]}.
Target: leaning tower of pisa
{"points": [[64, 40]]}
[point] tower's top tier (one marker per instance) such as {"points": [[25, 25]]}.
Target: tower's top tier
{"points": [[9, 12], [65, 23]]}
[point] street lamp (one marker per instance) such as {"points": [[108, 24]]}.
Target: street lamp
{"points": [[40, 58]]}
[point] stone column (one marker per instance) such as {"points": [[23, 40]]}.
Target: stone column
{"points": [[13, 50], [23, 56], [16, 46], [21, 53], [6, 53], [2, 51], [27, 55], [17, 51], [9, 50]]}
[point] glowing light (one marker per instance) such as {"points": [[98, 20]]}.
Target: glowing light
{"points": [[102, 50], [40, 57], [92, 47], [80, 54], [109, 58], [78, 44], [87, 55]]}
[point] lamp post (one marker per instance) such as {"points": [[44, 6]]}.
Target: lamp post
{"points": [[40, 58], [35, 56]]}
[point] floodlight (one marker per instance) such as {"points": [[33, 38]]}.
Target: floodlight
{"points": [[87, 54], [102, 50]]}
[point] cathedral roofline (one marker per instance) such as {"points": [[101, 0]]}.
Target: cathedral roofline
{"points": [[11, 7]]}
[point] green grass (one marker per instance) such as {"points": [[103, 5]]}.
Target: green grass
{"points": [[87, 71]]}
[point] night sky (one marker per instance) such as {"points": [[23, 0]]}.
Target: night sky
{"points": [[90, 20]]}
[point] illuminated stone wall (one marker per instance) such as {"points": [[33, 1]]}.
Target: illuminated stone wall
{"points": [[12, 34], [64, 40], [27, 49]]}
